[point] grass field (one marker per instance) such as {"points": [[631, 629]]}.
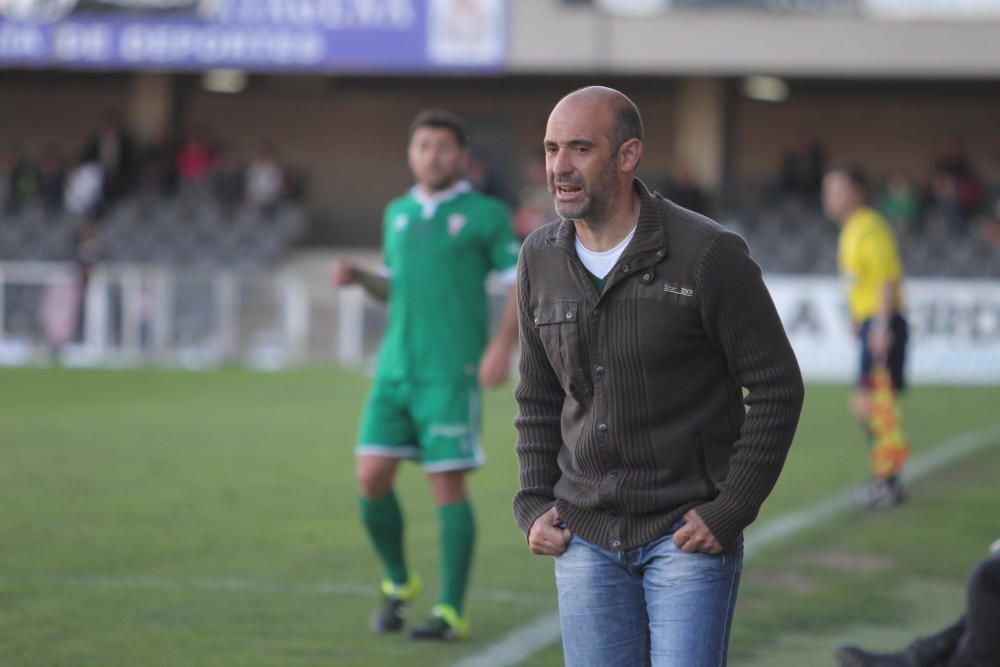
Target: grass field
{"points": [[156, 518]]}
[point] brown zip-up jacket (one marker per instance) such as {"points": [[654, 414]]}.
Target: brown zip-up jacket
{"points": [[631, 406]]}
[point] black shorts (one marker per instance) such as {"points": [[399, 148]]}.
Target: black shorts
{"points": [[896, 361]]}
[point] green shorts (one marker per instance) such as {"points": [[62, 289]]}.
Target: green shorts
{"points": [[434, 423]]}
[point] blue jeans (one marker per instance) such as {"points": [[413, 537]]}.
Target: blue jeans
{"points": [[652, 605]]}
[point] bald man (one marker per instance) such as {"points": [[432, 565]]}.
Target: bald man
{"points": [[657, 401]]}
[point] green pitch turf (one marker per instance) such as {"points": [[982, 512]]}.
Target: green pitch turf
{"points": [[154, 518]]}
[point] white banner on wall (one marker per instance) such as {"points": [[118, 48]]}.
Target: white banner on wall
{"points": [[954, 328], [974, 10]]}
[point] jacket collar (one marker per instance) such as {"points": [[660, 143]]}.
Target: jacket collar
{"points": [[649, 239]]}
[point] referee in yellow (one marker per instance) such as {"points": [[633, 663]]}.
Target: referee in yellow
{"points": [[869, 261]]}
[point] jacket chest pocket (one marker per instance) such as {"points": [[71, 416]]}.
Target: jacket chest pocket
{"points": [[558, 326]]}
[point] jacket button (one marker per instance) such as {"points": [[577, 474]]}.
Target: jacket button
{"points": [[569, 314], [626, 268], [659, 254], [602, 427], [617, 544], [646, 277], [599, 370]]}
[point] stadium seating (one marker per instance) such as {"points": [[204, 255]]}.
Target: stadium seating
{"points": [[794, 239], [149, 230]]}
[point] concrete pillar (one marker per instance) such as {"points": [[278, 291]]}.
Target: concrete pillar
{"points": [[150, 104], [700, 132]]}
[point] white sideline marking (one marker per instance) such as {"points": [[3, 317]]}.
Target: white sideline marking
{"points": [[540, 633], [229, 585]]}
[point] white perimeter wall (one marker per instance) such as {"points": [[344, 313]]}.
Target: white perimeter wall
{"points": [[954, 328]]}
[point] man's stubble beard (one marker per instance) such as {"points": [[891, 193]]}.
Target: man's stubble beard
{"points": [[594, 209]]}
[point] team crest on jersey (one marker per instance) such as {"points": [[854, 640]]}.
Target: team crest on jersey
{"points": [[455, 223], [400, 222]]}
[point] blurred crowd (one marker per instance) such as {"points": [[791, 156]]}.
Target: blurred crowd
{"points": [[948, 197], [112, 165], [946, 212], [947, 219]]}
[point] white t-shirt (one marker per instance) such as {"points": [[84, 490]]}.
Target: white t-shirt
{"points": [[601, 263]]}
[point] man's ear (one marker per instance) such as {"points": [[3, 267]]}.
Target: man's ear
{"points": [[629, 154]]}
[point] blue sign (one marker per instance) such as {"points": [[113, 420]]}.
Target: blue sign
{"points": [[259, 35]]}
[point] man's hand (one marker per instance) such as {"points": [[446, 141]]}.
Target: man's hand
{"points": [[494, 369], [343, 273], [694, 536], [546, 538]]}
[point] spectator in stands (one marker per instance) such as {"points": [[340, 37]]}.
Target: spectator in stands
{"points": [[296, 183], [953, 187], [84, 193], [682, 188], [195, 163], [112, 148], [61, 314], [51, 179], [19, 179], [900, 203], [158, 169], [8, 163], [485, 179], [228, 182], [534, 203], [802, 167], [869, 259], [990, 229], [972, 641], [264, 181]]}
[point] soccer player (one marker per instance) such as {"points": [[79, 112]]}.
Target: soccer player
{"points": [[440, 242], [869, 260]]}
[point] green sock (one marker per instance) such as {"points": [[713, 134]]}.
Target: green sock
{"points": [[458, 537], [384, 522]]}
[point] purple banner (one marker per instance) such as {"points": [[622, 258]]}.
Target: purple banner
{"points": [[258, 35]]}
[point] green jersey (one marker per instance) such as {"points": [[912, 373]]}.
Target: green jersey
{"points": [[438, 252]]}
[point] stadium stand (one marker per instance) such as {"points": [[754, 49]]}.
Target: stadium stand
{"points": [[158, 231]]}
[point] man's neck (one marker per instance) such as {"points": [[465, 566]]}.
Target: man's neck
{"points": [[600, 236], [850, 214], [431, 192]]}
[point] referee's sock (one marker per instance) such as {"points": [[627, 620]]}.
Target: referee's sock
{"points": [[383, 520], [458, 538]]}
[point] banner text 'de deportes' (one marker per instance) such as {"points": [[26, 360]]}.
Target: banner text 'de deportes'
{"points": [[296, 35]]}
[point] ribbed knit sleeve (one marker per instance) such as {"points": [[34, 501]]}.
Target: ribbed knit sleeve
{"points": [[740, 318], [539, 399]]}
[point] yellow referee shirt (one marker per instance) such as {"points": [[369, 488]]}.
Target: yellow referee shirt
{"points": [[868, 258]]}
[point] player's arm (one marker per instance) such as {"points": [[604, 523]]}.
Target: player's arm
{"points": [[503, 248], [495, 366], [883, 258], [376, 284]]}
